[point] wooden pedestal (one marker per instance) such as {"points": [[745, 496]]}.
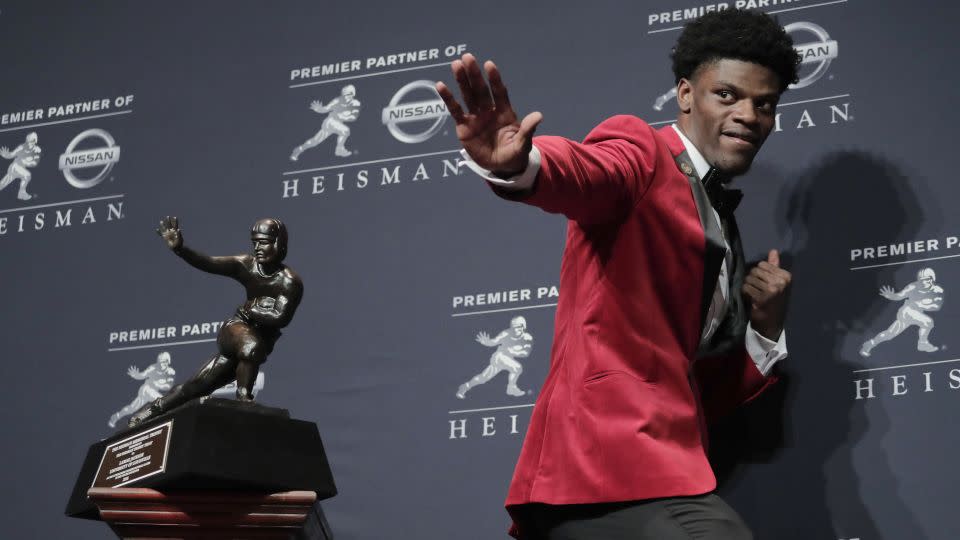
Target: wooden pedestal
{"points": [[146, 514]]}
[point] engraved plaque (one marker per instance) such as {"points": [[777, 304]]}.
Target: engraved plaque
{"points": [[138, 456]]}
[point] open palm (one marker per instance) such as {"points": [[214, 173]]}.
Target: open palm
{"points": [[488, 128]]}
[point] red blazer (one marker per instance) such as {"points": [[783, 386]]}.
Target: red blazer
{"points": [[622, 412]]}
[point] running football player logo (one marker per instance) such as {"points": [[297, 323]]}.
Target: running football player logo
{"points": [[26, 156], [919, 297], [157, 380], [511, 344], [342, 109]]}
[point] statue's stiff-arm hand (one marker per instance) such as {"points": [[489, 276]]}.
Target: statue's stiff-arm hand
{"points": [[169, 230], [231, 266], [488, 128]]}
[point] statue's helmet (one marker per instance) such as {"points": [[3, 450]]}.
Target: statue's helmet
{"points": [[163, 357], [274, 230], [926, 273], [518, 321], [32, 137]]}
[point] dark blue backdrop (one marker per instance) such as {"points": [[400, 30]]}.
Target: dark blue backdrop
{"points": [[402, 257]]}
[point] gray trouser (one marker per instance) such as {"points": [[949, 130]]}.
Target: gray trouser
{"points": [[703, 517]]}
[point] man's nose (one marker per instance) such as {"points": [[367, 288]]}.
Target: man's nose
{"points": [[745, 112]]}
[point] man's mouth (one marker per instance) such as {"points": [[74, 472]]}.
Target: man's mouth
{"points": [[742, 138]]}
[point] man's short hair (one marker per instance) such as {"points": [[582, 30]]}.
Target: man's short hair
{"points": [[739, 34]]}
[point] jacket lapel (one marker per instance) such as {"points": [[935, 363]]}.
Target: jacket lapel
{"points": [[730, 334], [714, 249]]}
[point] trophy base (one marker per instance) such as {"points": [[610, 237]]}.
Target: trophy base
{"points": [[209, 444]]}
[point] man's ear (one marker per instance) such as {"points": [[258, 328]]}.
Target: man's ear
{"points": [[684, 96]]}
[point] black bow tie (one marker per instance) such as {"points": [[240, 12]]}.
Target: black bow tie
{"points": [[723, 200]]}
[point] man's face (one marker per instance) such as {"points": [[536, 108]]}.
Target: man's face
{"points": [[517, 329], [264, 249], [927, 282], [31, 139], [727, 111]]}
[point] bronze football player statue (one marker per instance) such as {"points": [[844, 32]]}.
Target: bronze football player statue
{"points": [[245, 339]]}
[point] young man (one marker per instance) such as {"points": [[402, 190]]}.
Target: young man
{"points": [[659, 327]]}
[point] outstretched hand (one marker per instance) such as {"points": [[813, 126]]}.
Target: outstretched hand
{"points": [[169, 230], [484, 339], [767, 287], [887, 292], [488, 129]]}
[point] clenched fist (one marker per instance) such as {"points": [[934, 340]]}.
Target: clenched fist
{"points": [[767, 288]]}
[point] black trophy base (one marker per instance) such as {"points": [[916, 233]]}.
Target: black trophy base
{"points": [[212, 444]]}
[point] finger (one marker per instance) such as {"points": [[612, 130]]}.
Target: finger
{"points": [[460, 74], [765, 274], [755, 294], [771, 285], [774, 258], [773, 268], [768, 288], [175, 222], [771, 281], [478, 86], [775, 271], [451, 102], [528, 125], [501, 100], [755, 282]]}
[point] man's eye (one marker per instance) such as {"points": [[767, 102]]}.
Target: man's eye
{"points": [[724, 94]]}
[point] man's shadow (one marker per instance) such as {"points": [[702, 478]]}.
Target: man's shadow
{"points": [[785, 461]]}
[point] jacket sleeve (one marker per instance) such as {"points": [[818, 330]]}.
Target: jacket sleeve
{"points": [[728, 381], [599, 180]]}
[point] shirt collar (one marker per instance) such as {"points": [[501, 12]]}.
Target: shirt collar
{"points": [[699, 163]]}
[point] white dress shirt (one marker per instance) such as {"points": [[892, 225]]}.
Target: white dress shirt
{"points": [[764, 352]]}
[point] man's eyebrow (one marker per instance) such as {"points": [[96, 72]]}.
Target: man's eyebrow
{"points": [[771, 96]]}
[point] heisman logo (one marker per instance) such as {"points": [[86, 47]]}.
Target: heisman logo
{"points": [[104, 156], [818, 53], [26, 156], [511, 344], [396, 115], [919, 298], [158, 380], [342, 109]]}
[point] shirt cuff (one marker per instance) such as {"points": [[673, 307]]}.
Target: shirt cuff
{"points": [[764, 352], [519, 182]]}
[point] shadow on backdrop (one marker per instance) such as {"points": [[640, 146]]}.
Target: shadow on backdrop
{"points": [[785, 461]]}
